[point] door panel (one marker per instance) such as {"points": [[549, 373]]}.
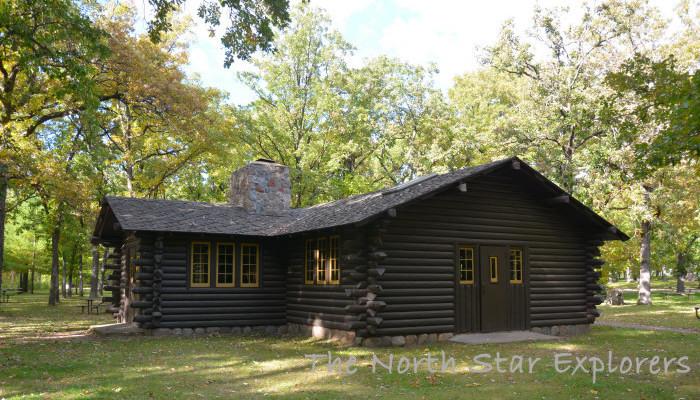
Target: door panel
{"points": [[494, 281], [467, 289]]}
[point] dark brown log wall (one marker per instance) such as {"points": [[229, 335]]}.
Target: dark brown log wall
{"points": [[330, 306], [419, 282], [167, 300]]}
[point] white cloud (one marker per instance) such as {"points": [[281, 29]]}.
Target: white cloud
{"points": [[444, 32]]}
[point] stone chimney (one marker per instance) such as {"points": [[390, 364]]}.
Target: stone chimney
{"points": [[262, 186]]}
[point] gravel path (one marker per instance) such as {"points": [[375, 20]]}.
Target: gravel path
{"points": [[647, 327]]}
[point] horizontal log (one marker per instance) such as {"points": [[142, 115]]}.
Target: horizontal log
{"points": [[416, 300], [408, 315], [543, 303], [553, 322], [142, 318], [220, 323], [414, 330], [216, 317], [549, 316], [355, 308], [557, 309], [180, 303]]}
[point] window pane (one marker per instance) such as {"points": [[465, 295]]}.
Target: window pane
{"points": [[466, 265], [225, 261], [249, 265], [333, 260], [321, 262], [493, 269], [200, 264], [516, 266]]}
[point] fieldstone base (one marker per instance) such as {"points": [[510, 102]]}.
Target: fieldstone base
{"points": [[403, 341], [319, 332], [563, 330], [270, 330]]}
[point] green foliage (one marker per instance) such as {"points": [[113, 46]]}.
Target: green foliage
{"points": [[344, 130], [667, 96], [251, 23]]}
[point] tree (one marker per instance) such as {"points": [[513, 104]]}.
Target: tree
{"points": [[342, 130], [251, 23], [566, 85], [46, 49], [159, 122], [653, 129]]}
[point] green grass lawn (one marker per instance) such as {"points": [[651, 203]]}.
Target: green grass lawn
{"points": [[670, 310], [43, 355]]}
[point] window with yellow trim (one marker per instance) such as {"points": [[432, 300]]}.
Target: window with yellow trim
{"points": [[310, 261], [199, 264], [322, 261], [516, 266], [493, 269], [225, 265], [466, 265], [250, 265], [333, 270]]}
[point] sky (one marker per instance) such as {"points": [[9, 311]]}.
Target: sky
{"points": [[444, 32]]}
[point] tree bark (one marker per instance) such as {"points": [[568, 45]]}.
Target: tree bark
{"points": [[80, 275], [645, 265], [680, 284], [64, 274], [31, 282], [3, 208], [53, 291], [94, 278]]}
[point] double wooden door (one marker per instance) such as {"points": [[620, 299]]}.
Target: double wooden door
{"points": [[489, 301]]}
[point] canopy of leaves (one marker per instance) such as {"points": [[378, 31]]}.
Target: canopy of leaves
{"points": [[250, 26]]}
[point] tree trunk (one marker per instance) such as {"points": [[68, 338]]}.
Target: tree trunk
{"points": [[628, 275], [64, 274], [80, 275], [3, 205], [53, 291], [31, 282], [94, 278], [645, 265], [680, 284]]}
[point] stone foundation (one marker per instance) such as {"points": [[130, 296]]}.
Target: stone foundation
{"points": [[347, 337], [319, 332], [563, 330], [403, 341], [215, 330]]}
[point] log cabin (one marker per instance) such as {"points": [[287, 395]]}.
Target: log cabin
{"points": [[496, 247]]}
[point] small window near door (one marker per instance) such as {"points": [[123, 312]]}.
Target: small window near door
{"points": [[493, 269], [516, 266], [466, 265]]}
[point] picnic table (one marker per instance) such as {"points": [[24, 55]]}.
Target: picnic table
{"points": [[6, 293], [90, 305]]}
